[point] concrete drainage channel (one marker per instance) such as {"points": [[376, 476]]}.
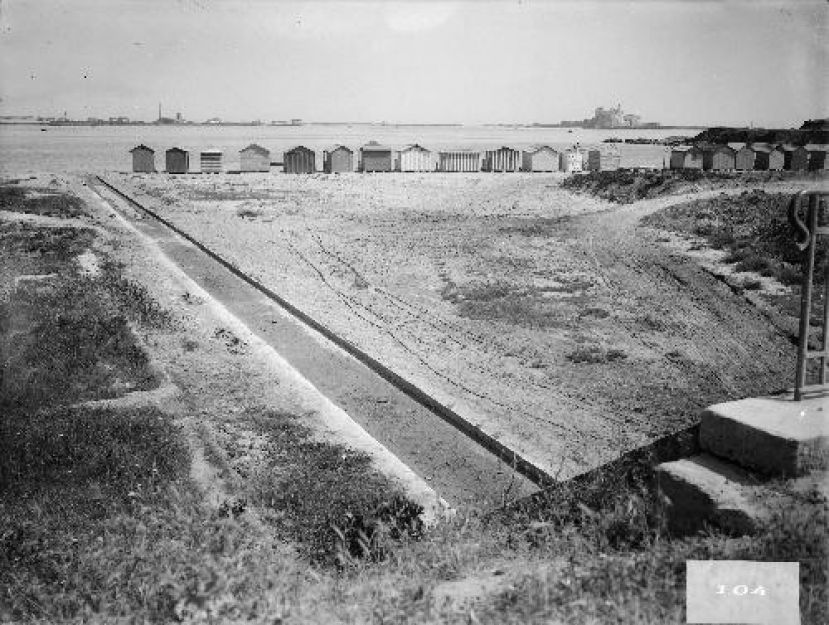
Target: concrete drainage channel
{"points": [[463, 464]]}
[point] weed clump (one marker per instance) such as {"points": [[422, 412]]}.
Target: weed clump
{"points": [[327, 497]]}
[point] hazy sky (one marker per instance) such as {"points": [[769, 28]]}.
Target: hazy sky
{"points": [[676, 62]]}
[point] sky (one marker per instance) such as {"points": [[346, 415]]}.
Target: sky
{"points": [[676, 62]]}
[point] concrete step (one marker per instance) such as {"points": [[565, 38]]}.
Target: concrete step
{"points": [[704, 490], [772, 435]]}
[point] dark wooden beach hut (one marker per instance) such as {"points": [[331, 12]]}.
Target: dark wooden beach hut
{"points": [[718, 158], [338, 159], [817, 158], [300, 160], [540, 158], [744, 159], [254, 158], [143, 159], [603, 160], [211, 161], [177, 161], [376, 157], [502, 159], [686, 157], [795, 158], [768, 157], [459, 161]]}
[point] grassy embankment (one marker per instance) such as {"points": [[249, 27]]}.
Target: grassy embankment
{"points": [[753, 229], [626, 186], [101, 518], [100, 515]]}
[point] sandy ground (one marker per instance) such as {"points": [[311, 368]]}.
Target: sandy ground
{"points": [[550, 320]]}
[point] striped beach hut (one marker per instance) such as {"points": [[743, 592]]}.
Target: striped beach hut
{"points": [[211, 161], [795, 158], [602, 160], [502, 159], [768, 157], [572, 160], [459, 160], [338, 159], [744, 159], [416, 158], [540, 158], [686, 157], [718, 158], [177, 161], [376, 157], [254, 158], [817, 158], [143, 159], [299, 160]]}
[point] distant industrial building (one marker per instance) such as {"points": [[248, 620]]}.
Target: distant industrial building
{"points": [[177, 161], [143, 159], [376, 157], [459, 161], [540, 158], [338, 159], [416, 158], [211, 161], [299, 160], [254, 158]]}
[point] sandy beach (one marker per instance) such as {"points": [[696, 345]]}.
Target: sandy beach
{"points": [[490, 291]]}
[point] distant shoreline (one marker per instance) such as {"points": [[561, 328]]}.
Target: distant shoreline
{"points": [[88, 124]]}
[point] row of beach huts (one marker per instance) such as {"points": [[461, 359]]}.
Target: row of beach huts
{"points": [[374, 157], [750, 157]]}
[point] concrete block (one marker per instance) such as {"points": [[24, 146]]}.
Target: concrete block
{"points": [[704, 489], [772, 435]]}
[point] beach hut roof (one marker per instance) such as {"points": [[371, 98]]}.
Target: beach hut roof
{"points": [[719, 148], [299, 148], [253, 147], [177, 149], [414, 146], [373, 146], [340, 147], [537, 148], [142, 147]]}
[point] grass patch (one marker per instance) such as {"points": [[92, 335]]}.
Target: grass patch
{"points": [[512, 303], [327, 497], [595, 355], [625, 186], [66, 343], [40, 202], [101, 523]]}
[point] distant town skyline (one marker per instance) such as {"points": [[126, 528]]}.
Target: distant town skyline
{"points": [[697, 63]]}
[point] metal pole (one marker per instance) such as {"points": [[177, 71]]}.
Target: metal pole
{"points": [[806, 298], [824, 360]]}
